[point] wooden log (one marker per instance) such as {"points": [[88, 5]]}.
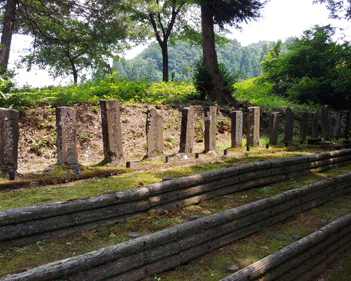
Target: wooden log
{"points": [[70, 230], [23, 214], [69, 220], [148, 270]]}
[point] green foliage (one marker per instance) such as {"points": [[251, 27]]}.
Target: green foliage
{"points": [[315, 70], [201, 78], [76, 36], [147, 66], [110, 88], [257, 91]]}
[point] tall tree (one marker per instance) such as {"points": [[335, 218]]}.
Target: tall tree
{"points": [[338, 9], [9, 18], [221, 13], [166, 19], [74, 34]]}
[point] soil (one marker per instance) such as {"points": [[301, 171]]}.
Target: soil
{"points": [[37, 134]]}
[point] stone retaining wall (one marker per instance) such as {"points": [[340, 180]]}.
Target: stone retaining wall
{"points": [[303, 259], [33, 223], [151, 254]]}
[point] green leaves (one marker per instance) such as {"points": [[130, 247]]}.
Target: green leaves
{"points": [[316, 69]]}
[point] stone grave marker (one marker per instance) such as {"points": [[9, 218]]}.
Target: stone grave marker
{"points": [[111, 131], [289, 125], [154, 133], [273, 140], [210, 113], [237, 128], [253, 126], [187, 130], [66, 124], [314, 125], [335, 125], [325, 123], [8, 140], [303, 126], [345, 124]]}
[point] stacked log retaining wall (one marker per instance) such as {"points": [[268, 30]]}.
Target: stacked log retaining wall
{"points": [[303, 259], [151, 254], [33, 223]]}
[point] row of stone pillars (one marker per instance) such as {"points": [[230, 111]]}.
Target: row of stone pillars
{"points": [[333, 125], [112, 136]]}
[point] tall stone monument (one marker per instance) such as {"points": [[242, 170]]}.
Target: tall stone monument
{"points": [[273, 140], [303, 126], [253, 128], [210, 113], [335, 125], [314, 124], [345, 124], [66, 124], [187, 130], [8, 140], [325, 122], [154, 133], [237, 128], [111, 131], [289, 125]]}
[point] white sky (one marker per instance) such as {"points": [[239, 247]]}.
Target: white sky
{"points": [[281, 20]]}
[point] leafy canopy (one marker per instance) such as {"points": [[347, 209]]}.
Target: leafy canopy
{"points": [[316, 69]]}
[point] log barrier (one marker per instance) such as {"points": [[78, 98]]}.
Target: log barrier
{"points": [[33, 223], [303, 259], [145, 256]]}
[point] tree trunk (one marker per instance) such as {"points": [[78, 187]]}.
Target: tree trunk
{"points": [[74, 70], [164, 49], [216, 90], [6, 37]]}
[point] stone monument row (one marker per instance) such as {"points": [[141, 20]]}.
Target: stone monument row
{"points": [[111, 131], [237, 128], [8, 140], [253, 126], [154, 133], [273, 140], [337, 125], [210, 113], [187, 130], [314, 125], [66, 124], [303, 126], [325, 123], [289, 125]]}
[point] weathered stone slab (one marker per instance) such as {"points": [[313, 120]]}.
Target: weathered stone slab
{"points": [[210, 113], [66, 136], [8, 140], [335, 124], [303, 126], [314, 125], [154, 133], [237, 128], [273, 140], [345, 124], [325, 123], [253, 126], [187, 130], [111, 131], [289, 125]]}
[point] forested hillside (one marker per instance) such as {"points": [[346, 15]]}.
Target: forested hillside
{"points": [[182, 56]]}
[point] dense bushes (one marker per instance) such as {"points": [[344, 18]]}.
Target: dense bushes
{"points": [[124, 90], [316, 69]]}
